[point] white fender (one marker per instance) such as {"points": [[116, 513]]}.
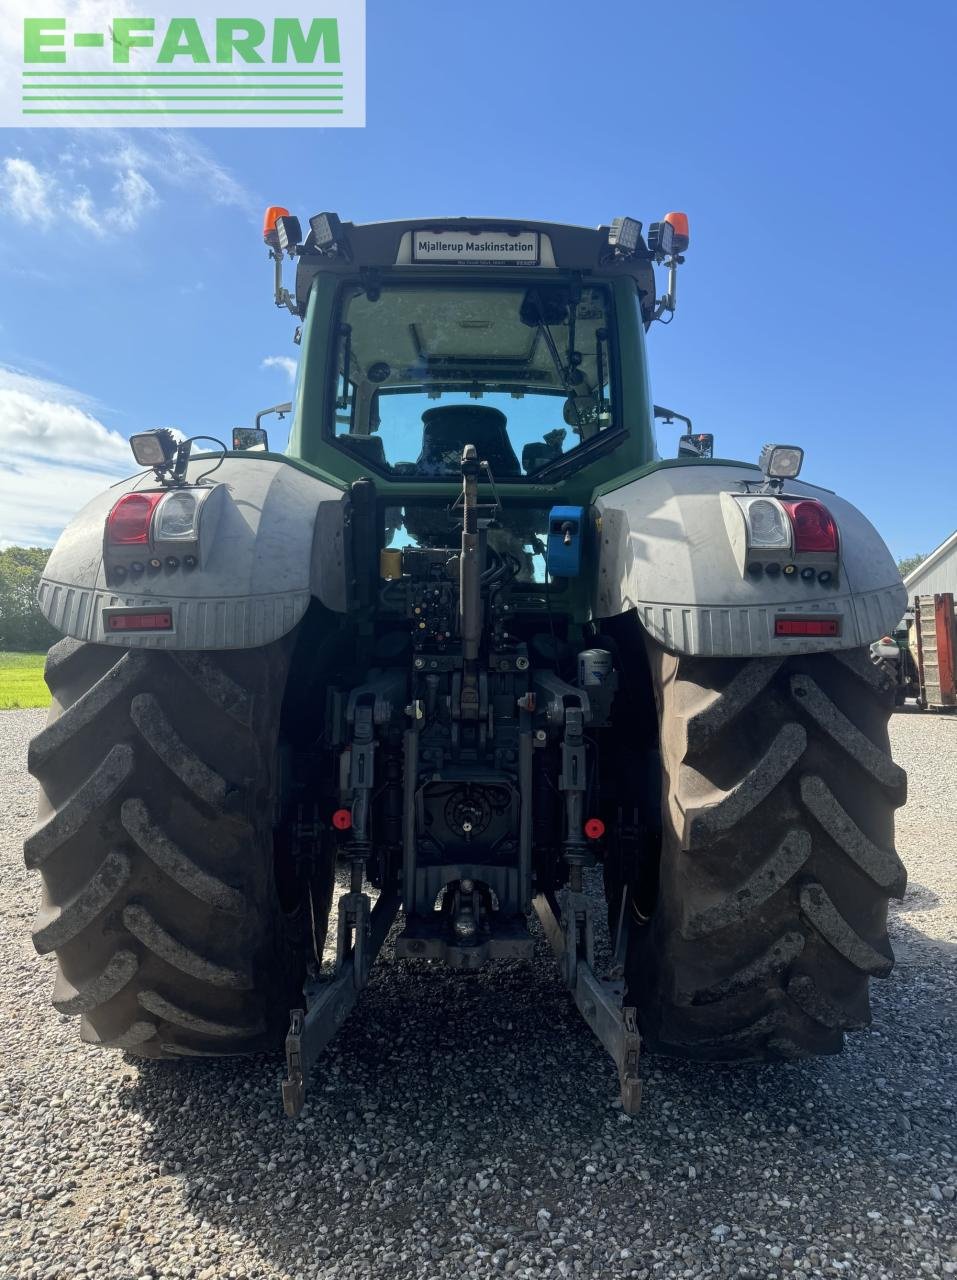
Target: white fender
{"points": [[666, 550], [277, 540]]}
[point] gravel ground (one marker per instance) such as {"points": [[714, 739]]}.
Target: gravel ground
{"points": [[466, 1126]]}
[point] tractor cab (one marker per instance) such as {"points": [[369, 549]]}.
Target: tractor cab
{"points": [[524, 339]]}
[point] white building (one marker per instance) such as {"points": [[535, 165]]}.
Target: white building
{"points": [[935, 574]]}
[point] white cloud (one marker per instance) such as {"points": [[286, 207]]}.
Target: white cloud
{"points": [[26, 192], [188, 164], [286, 363], [106, 171], [47, 429], [83, 212], [57, 455], [40, 388], [37, 500], [168, 158], [135, 197], [37, 197]]}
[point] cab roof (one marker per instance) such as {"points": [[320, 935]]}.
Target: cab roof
{"points": [[384, 246]]}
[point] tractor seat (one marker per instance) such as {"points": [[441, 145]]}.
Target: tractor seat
{"points": [[447, 429]]}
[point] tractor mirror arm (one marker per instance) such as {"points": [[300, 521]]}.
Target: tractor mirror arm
{"points": [[281, 409], [669, 415]]}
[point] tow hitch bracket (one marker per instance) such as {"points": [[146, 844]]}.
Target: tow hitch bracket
{"points": [[330, 1000], [599, 1000]]}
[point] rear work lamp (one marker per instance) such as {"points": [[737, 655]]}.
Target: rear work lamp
{"points": [[162, 451], [781, 461], [623, 236], [326, 229], [154, 448], [288, 233]]}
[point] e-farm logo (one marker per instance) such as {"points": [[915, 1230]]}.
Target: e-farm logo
{"points": [[88, 63]]}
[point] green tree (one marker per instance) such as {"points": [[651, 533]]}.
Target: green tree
{"points": [[22, 625], [908, 564]]}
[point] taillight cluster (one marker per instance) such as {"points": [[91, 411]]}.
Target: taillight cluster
{"points": [[150, 535], [809, 525], [140, 518], [789, 537], [151, 531]]}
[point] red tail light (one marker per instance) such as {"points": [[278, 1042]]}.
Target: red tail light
{"points": [[128, 524], [814, 526], [807, 626], [155, 620]]}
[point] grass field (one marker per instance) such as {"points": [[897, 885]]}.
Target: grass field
{"points": [[21, 681]]}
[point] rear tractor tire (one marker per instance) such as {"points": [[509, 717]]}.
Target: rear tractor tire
{"points": [[155, 845], [777, 860]]}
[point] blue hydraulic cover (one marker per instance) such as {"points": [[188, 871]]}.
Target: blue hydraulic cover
{"points": [[563, 552]]}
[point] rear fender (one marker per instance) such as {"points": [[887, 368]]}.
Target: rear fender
{"points": [[666, 550], [275, 539]]}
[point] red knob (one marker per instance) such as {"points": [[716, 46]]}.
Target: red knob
{"points": [[594, 828], [342, 819]]}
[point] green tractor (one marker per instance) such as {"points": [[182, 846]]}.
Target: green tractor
{"points": [[467, 637]]}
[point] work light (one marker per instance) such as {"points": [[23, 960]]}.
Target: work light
{"points": [[288, 233], [661, 239], [154, 448], [326, 229], [781, 461], [623, 236]]}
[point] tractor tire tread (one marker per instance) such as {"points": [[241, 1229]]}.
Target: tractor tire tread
{"points": [[154, 845], [777, 856]]}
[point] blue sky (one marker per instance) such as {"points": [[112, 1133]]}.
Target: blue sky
{"points": [[812, 146]]}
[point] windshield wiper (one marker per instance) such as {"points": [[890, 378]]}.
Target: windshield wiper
{"points": [[579, 457], [563, 375], [533, 313]]}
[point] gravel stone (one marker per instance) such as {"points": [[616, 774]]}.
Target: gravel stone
{"points": [[467, 1125]]}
